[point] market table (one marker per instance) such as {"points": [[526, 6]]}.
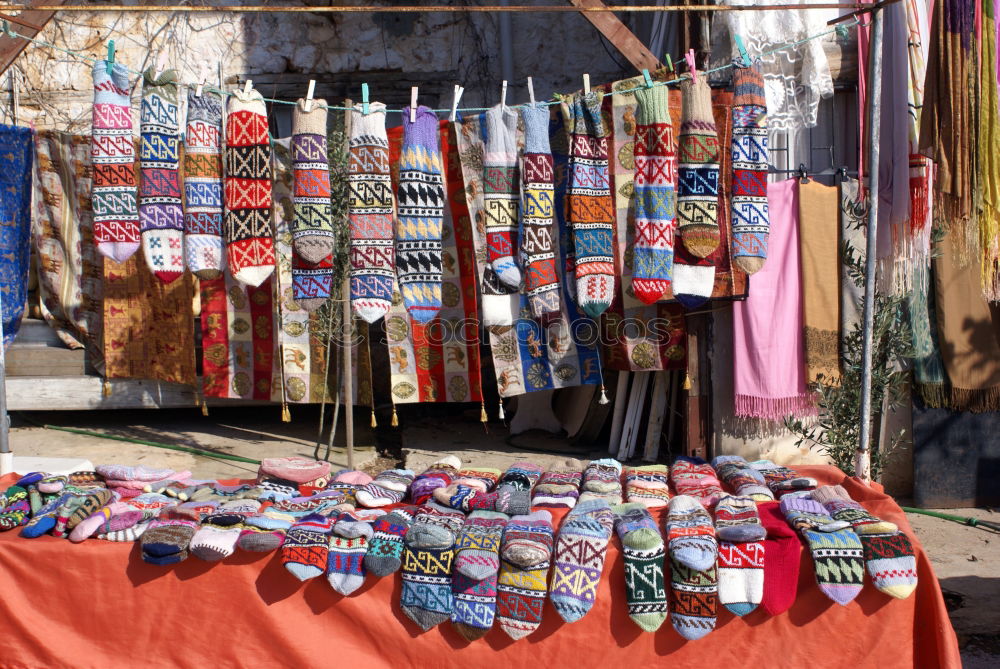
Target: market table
{"points": [[97, 604]]}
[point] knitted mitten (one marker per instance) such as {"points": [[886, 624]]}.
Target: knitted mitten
{"points": [[647, 485], [203, 186], [741, 477], [113, 198], [655, 197], [579, 558], [370, 206], [500, 188], [749, 152], [836, 550], [312, 225], [643, 549], [247, 225], [538, 243]]}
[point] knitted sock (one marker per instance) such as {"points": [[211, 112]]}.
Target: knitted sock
{"points": [[475, 605], [465, 498], [203, 185], [579, 558], [113, 195], [655, 197], [354, 524], [345, 568], [128, 534], [63, 514], [590, 207], [698, 170], [514, 488], [693, 599], [247, 224], [750, 163], [87, 479], [45, 519], [16, 508], [304, 552], [781, 568], [837, 553], [434, 526], [891, 563], [736, 520], [541, 280], [483, 479], [260, 539], [602, 479], [527, 540], [840, 505], [741, 477], [477, 550], [389, 487], [50, 485], [370, 204], [161, 217], [385, 549], [312, 284], [312, 226], [426, 597], [438, 475], [304, 471], [782, 480], [89, 504], [642, 547], [690, 534], [560, 486], [127, 473], [521, 598], [647, 485], [30, 479], [696, 478], [213, 542], [741, 575], [167, 538], [35, 501], [500, 186], [113, 517], [420, 216]]}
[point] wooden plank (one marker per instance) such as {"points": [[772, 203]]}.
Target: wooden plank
{"points": [[619, 35], [657, 411], [44, 361], [619, 414], [633, 415], [697, 402], [11, 48]]}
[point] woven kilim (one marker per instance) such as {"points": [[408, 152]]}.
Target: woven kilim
{"points": [[538, 236], [116, 213], [161, 217], [203, 185], [17, 150], [247, 225]]}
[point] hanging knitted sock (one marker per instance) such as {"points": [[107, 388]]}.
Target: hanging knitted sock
{"points": [[781, 568], [579, 558], [750, 163], [891, 563], [389, 487], [514, 488], [643, 549], [698, 170], [693, 279], [345, 568], [693, 599], [837, 553], [167, 538], [690, 534], [247, 224], [647, 485], [385, 549], [307, 542], [113, 195], [312, 284], [742, 478], [590, 209], [438, 475], [736, 520], [782, 480], [560, 486], [500, 188], [477, 550], [483, 479], [434, 526], [475, 604], [312, 225], [420, 216], [161, 217], [696, 478], [840, 505], [655, 195], [203, 185], [527, 540], [370, 206], [541, 281], [741, 575]]}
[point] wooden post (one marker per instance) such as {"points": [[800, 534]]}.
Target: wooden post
{"points": [[11, 48], [348, 334], [620, 36], [657, 410], [697, 399]]}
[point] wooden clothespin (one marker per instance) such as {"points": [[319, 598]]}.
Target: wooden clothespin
{"points": [[647, 79], [586, 84], [742, 48], [111, 56], [456, 96], [413, 104], [692, 67], [307, 107], [531, 92], [503, 95], [247, 87], [365, 109], [161, 64]]}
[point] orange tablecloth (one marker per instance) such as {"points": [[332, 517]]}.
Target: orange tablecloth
{"points": [[97, 604]]}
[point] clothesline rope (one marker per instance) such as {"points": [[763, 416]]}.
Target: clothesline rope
{"points": [[9, 32]]}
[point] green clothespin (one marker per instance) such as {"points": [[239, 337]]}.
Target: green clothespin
{"points": [[841, 31], [111, 56], [364, 99], [648, 79], [670, 63], [7, 31], [744, 56]]}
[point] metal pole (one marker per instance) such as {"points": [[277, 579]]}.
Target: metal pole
{"points": [[506, 44], [862, 460]]}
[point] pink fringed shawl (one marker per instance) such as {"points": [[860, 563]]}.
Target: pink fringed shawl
{"points": [[768, 350]]}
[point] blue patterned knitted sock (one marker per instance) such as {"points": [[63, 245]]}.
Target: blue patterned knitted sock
{"points": [[749, 150], [475, 605], [690, 533], [579, 558], [427, 597], [500, 188], [345, 569]]}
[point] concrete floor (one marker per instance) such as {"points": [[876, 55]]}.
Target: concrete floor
{"points": [[964, 558]]}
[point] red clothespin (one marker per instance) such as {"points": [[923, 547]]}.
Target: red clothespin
{"points": [[692, 68]]}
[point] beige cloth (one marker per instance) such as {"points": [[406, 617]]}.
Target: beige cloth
{"points": [[819, 225]]}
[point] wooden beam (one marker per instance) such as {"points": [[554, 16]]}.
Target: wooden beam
{"points": [[619, 35], [697, 397], [11, 48]]}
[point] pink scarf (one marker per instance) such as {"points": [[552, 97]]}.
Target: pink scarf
{"points": [[768, 351]]}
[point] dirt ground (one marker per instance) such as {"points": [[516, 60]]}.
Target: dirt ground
{"points": [[965, 558]]}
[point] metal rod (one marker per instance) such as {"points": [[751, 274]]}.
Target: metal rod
{"points": [[506, 34], [21, 22], [862, 460], [430, 9]]}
